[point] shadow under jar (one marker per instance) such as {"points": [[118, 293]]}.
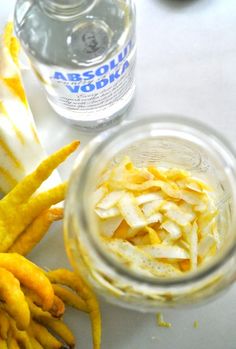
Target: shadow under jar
{"points": [[169, 142]]}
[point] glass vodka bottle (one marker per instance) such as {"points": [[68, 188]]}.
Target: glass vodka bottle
{"points": [[83, 52]]}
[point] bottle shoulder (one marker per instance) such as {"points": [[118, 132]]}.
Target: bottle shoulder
{"points": [[82, 41]]}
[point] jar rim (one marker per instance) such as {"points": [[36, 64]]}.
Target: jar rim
{"points": [[98, 144]]}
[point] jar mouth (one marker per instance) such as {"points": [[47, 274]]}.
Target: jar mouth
{"points": [[154, 127]]}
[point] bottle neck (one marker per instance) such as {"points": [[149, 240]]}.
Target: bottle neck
{"points": [[66, 9]]}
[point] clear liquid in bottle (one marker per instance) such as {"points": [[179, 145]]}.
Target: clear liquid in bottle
{"points": [[83, 52]]}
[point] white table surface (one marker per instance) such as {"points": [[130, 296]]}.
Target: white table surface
{"points": [[187, 66]]}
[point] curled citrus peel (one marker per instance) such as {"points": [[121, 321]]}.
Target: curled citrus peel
{"points": [[161, 322], [158, 221]]}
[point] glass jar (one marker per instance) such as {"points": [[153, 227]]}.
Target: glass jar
{"points": [[163, 141]]}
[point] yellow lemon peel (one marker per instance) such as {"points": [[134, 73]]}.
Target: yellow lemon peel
{"points": [[166, 213], [161, 322]]}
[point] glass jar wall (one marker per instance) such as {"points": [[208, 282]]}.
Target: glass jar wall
{"points": [[169, 142]]}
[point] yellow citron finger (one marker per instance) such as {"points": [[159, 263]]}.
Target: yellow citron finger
{"points": [[21, 336], [45, 338], [29, 275], [4, 324], [70, 298], [32, 295], [35, 343], [58, 307], [14, 299], [25, 189], [43, 201], [36, 231], [12, 343], [67, 278], [56, 325], [38, 312], [3, 344], [25, 215], [60, 329]]}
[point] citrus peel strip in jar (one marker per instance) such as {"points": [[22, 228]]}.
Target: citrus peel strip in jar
{"points": [[156, 216]]}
